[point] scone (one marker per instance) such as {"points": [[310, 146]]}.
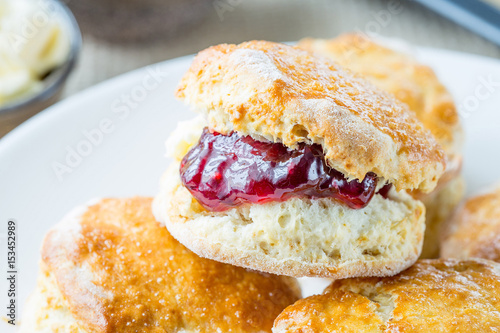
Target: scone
{"points": [[297, 168], [417, 86], [474, 231], [433, 296], [110, 267]]}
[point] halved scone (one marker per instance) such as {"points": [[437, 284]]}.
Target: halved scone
{"points": [[296, 167]]}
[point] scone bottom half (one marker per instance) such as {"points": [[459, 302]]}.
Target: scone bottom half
{"points": [[263, 206]]}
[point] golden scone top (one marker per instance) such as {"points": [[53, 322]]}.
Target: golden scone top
{"points": [[399, 74], [408, 80], [431, 296], [121, 271], [474, 230], [285, 94]]}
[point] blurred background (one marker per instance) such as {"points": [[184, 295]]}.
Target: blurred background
{"points": [[122, 35]]}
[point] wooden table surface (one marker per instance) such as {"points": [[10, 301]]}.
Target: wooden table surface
{"points": [[276, 20]]}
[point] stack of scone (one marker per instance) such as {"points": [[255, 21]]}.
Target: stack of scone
{"points": [[298, 167]]}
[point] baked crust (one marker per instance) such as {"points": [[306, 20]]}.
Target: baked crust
{"points": [[400, 74], [119, 270], [474, 230], [431, 296], [282, 93]]}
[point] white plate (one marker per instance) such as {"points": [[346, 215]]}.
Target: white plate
{"points": [[129, 160]]}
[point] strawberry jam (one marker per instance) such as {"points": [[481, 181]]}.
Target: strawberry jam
{"points": [[224, 171]]}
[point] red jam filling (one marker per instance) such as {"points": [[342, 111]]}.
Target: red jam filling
{"points": [[224, 171]]}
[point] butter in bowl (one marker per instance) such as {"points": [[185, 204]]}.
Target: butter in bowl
{"points": [[39, 44]]}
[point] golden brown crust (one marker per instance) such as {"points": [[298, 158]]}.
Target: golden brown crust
{"points": [[121, 271], [286, 94], [431, 296], [399, 74], [475, 229]]}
